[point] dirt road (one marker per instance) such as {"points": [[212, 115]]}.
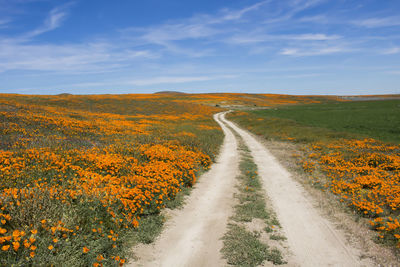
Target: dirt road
{"points": [[192, 235]]}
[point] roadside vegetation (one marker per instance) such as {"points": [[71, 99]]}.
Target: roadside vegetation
{"points": [[82, 178], [348, 148], [253, 235]]}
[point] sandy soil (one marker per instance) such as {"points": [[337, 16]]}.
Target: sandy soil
{"points": [[312, 239], [192, 236]]}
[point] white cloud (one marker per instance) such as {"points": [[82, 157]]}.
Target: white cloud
{"points": [[378, 22], [257, 37], [391, 51], [203, 26], [237, 14], [290, 51], [80, 57], [228, 26], [312, 51], [297, 6], [294, 76], [173, 32], [314, 37], [53, 21], [19, 53]]}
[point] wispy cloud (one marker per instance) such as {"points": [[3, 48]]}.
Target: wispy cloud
{"points": [[378, 22], [391, 51], [53, 21], [261, 38], [294, 76], [173, 32], [81, 57], [287, 10], [20, 53], [237, 14], [198, 26], [312, 51], [227, 26], [314, 37], [202, 27]]}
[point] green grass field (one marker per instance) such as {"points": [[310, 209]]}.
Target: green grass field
{"points": [[376, 119]]}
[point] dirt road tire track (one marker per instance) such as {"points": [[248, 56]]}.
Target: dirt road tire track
{"points": [[192, 236]]}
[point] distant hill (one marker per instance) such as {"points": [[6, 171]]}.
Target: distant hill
{"points": [[170, 92], [64, 94]]}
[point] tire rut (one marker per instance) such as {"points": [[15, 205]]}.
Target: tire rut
{"points": [[192, 236]]}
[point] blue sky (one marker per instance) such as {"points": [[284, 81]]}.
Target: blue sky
{"points": [[127, 46]]}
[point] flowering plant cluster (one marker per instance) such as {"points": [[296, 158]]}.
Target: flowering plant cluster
{"points": [[365, 174]]}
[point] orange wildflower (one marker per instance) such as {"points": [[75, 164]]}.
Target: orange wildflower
{"points": [[27, 244], [16, 245]]}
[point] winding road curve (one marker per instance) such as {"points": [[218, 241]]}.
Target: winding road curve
{"points": [[192, 237]]}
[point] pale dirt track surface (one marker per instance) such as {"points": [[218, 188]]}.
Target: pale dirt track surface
{"points": [[192, 237]]}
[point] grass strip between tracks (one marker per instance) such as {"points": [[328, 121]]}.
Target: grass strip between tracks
{"points": [[253, 234]]}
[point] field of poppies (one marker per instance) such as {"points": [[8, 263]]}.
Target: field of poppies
{"points": [[78, 174]]}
